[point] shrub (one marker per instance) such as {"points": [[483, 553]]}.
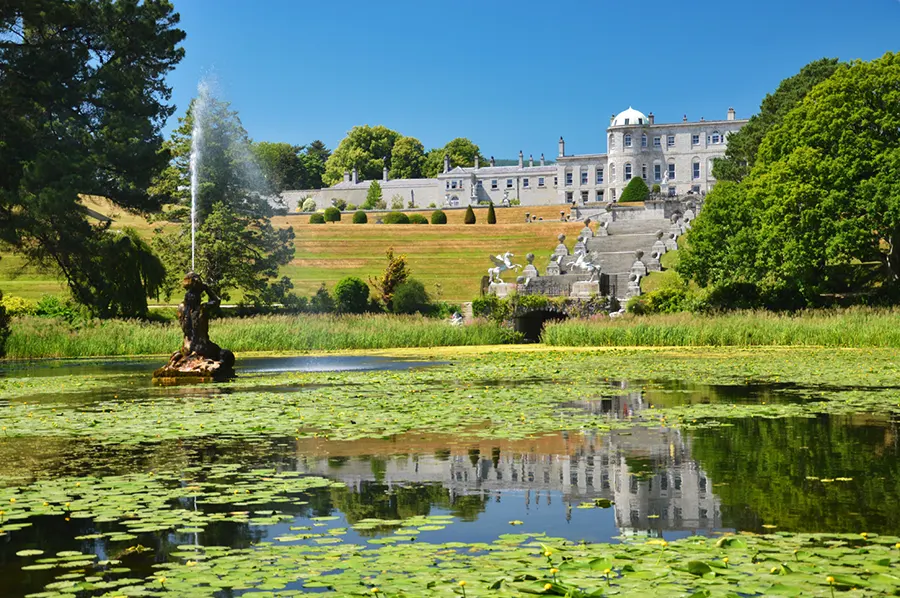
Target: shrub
{"points": [[417, 219], [359, 217], [656, 188], [351, 296], [309, 205], [17, 306], [351, 206], [373, 195], [411, 204], [432, 205], [637, 305], [321, 302], [438, 217], [470, 216], [515, 202], [410, 297], [380, 205], [635, 190], [395, 274], [396, 218], [397, 202], [316, 218], [51, 306], [340, 204], [492, 216], [332, 214]]}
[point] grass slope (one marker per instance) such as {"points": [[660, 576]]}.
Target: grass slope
{"points": [[454, 256]]}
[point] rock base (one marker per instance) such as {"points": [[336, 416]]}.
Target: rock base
{"points": [[501, 289], [585, 289], [197, 367]]}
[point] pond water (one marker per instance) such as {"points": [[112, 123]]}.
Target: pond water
{"points": [[835, 473]]}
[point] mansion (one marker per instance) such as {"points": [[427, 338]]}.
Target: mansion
{"points": [[676, 156]]}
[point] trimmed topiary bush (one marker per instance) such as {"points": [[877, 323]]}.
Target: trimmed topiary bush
{"points": [[410, 297], [316, 218], [635, 190], [417, 219], [656, 187], [396, 218], [332, 214], [351, 296], [438, 217], [470, 216], [360, 217], [492, 216], [309, 205]]}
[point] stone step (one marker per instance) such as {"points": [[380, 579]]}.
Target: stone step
{"points": [[620, 243], [630, 227]]}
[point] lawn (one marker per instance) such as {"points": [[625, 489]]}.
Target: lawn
{"points": [[449, 259]]}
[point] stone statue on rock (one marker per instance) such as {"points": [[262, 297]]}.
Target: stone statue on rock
{"points": [[198, 357], [502, 263]]}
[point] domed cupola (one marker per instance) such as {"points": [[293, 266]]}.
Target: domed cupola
{"points": [[629, 117]]}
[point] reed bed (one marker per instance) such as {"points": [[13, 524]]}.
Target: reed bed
{"points": [[44, 337], [857, 327]]}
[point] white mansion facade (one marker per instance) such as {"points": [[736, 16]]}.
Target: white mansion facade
{"points": [[676, 156]]}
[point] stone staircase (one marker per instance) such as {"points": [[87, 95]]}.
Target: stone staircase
{"points": [[616, 252]]}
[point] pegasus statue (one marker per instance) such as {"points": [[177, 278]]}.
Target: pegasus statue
{"points": [[502, 263]]}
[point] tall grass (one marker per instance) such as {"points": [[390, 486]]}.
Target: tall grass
{"points": [[857, 327], [46, 337]]}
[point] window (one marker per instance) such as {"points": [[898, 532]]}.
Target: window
{"points": [[657, 172], [568, 179], [453, 185], [480, 184], [695, 170], [611, 142], [448, 184], [509, 183], [612, 173], [584, 196], [568, 196], [525, 183], [627, 139], [555, 181], [540, 181], [715, 137], [657, 141], [695, 139], [584, 177], [644, 140], [600, 195], [670, 141], [695, 189], [671, 191], [494, 184], [626, 120], [671, 171], [644, 171], [628, 171], [599, 175]]}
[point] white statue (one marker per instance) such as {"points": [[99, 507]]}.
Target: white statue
{"points": [[583, 263], [502, 264]]}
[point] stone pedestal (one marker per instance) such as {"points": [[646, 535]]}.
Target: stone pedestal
{"points": [[530, 271], [196, 366], [501, 289], [553, 268], [585, 289]]}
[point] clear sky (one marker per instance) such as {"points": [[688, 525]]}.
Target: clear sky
{"points": [[508, 75]]}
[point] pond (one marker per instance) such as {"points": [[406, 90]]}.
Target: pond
{"points": [[331, 474]]}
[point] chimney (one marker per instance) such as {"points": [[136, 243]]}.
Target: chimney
{"points": [[684, 118], [530, 160], [354, 177], [476, 161], [346, 176], [492, 161], [542, 158], [446, 163], [521, 158], [731, 114], [562, 147], [651, 118]]}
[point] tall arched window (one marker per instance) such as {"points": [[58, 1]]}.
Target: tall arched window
{"points": [[716, 137], [611, 142], [671, 170], [599, 175], [643, 140], [612, 173], [627, 171], [627, 140], [695, 169]]}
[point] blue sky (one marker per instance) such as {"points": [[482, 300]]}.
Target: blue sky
{"points": [[508, 75]]}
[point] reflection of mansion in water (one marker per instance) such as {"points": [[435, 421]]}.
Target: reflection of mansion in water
{"points": [[647, 473]]}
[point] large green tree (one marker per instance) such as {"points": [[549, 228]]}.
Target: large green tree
{"points": [[366, 148], [407, 159], [462, 152], [824, 192], [83, 99], [236, 245], [287, 166], [740, 155]]}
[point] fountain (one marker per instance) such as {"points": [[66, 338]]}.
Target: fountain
{"points": [[198, 357]]}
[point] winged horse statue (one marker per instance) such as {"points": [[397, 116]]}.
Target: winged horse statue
{"points": [[502, 263], [583, 263]]}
